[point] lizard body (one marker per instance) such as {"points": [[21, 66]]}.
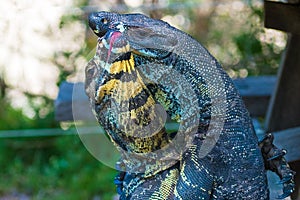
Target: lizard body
{"points": [[144, 70]]}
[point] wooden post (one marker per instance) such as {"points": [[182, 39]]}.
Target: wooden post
{"points": [[284, 108], [282, 16]]}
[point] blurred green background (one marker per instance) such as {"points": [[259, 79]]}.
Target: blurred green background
{"points": [[46, 43]]}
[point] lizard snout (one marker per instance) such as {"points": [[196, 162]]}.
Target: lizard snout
{"points": [[98, 23]]}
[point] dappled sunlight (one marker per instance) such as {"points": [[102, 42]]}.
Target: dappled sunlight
{"points": [[179, 21], [271, 36], [32, 36], [134, 3]]}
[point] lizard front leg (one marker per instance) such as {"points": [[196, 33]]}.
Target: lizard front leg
{"points": [[275, 161]]}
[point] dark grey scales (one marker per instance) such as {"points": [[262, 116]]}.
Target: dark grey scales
{"points": [[235, 167]]}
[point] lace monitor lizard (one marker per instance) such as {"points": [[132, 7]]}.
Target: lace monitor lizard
{"points": [[145, 71]]}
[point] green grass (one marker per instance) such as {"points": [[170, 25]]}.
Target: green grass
{"points": [[53, 168]]}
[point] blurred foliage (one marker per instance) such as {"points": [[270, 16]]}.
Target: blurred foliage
{"points": [[53, 168], [60, 167], [234, 33]]}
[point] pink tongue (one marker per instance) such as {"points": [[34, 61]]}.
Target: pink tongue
{"points": [[114, 36]]}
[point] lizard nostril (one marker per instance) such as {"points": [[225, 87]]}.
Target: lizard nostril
{"points": [[93, 20]]}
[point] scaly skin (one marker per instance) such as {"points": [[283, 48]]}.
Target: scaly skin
{"points": [[145, 69]]}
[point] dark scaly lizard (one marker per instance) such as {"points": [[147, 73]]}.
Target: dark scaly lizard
{"points": [[144, 70]]}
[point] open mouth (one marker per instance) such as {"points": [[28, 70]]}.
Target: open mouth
{"points": [[115, 42]]}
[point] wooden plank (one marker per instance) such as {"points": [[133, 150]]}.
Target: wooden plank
{"points": [[294, 1], [72, 95], [256, 92], [284, 108], [282, 16], [289, 139], [286, 1]]}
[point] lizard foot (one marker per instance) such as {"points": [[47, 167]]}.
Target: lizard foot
{"points": [[274, 160], [118, 181]]}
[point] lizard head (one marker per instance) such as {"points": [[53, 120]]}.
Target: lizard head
{"points": [[121, 35], [134, 33]]}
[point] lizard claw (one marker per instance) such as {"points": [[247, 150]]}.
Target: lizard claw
{"points": [[118, 181], [288, 189], [274, 160], [286, 179], [288, 184], [277, 154]]}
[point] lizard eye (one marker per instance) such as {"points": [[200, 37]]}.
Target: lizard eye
{"points": [[104, 21]]}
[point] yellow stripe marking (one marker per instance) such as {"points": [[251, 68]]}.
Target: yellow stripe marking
{"points": [[122, 65], [127, 90], [106, 88]]}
